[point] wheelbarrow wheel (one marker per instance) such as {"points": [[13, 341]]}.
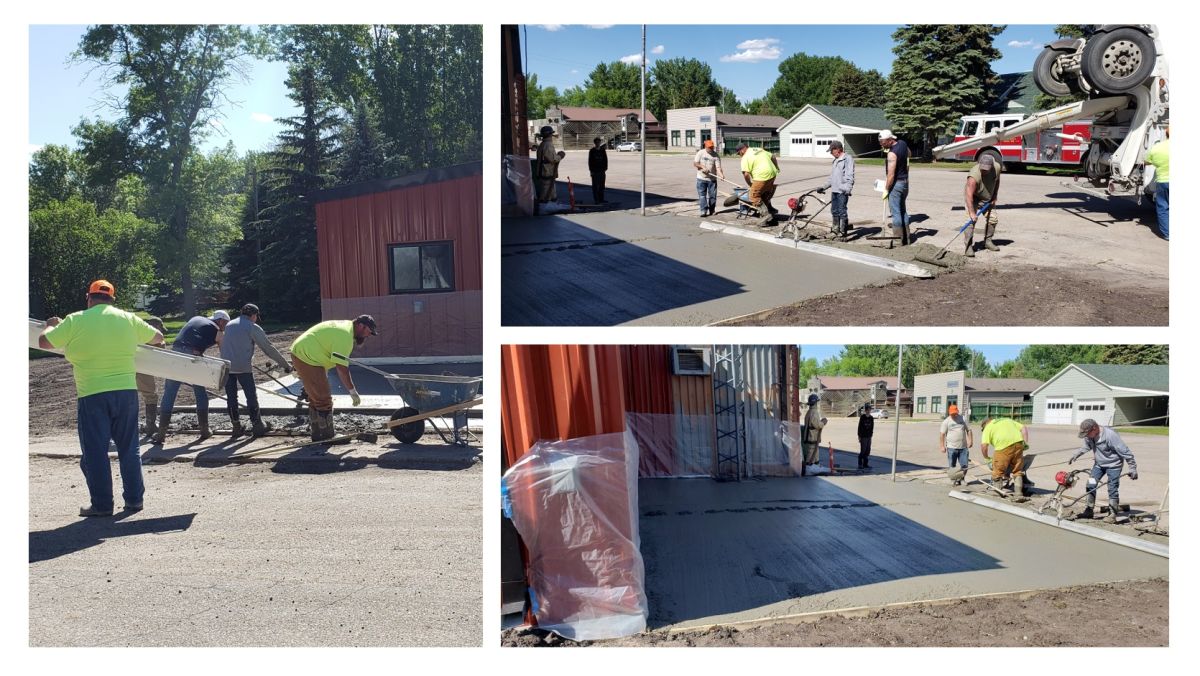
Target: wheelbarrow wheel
{"points": [[408, 433]]}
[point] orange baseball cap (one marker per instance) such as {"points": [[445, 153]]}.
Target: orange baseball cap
{"points": [[103, 286], [708, 143], [953, 409]]}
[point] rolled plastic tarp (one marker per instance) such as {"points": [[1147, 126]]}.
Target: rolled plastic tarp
{"points": [[208, 372], [575, 506]]}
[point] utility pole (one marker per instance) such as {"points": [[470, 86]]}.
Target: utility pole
{"points": [[899, 391], [642, 120]]}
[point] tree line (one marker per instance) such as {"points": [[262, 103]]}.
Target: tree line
{"points": [[1034, 361], [940, 72], [136, 199]]}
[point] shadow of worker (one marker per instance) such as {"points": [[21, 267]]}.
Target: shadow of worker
{"points": [[79, 535]]}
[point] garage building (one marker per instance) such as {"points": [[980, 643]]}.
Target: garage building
{"points": [[977, 397], [689, 128], [1110, 394], [810, 131]]}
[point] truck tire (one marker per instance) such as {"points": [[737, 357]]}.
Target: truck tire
{"points": [[1049, 78], [1119, 61]]}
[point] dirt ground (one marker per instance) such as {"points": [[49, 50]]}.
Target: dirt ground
{"points": [[1115, 614], [52, 401], [987, 297]]}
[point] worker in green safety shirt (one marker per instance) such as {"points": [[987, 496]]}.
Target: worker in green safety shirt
{"points": [[100, 343]]}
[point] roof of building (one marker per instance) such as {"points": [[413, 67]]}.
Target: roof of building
{"points": [[873, 119], [1015, 92], [423, 177], [1002, 384], [855, 382], [583, 114], [737, 120], [1130, 376]]}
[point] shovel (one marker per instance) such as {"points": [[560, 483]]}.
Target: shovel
{"points": [[936, 259]]}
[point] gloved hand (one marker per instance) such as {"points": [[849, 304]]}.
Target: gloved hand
{"points": [[1133, 476], [821, 191], [354, 398], [885, 195]]}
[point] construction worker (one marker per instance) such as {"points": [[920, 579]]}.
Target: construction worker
{"points": [[866, 429], [196, 336], [1009, 439], [1159, 155], [546, 166], [324, 346], [956, 441], [841, 181], [100, 343], [983, 185], [241, 336], [1110, 455], [760, 168], [597, 167], [896, 184], [148, 388], [813, 424], [708, 168]]}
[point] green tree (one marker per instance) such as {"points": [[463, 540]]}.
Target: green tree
{"points": [[56, 174], [70, 244], [174, 78], [729, 103], [803, 79], [1043, 361], [538, 98], [366, 154], [977, 365], [681, 83], [1135, 354], [941, 72], [615, 85], [852, 87]]}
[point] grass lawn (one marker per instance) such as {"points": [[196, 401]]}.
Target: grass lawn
{"points": [[1157, 431]]}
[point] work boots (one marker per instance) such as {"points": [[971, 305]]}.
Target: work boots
{"points": [[901, 232], [202, 418], [989, 230], [164, 421], [969, 236], [1018, 490], [151, 416], [320, 424], [1113, 508], [236, 423], [258, 428]]}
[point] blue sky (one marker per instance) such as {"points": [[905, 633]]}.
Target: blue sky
{"points": [[61, 93], [743, 58], [996, 354]]}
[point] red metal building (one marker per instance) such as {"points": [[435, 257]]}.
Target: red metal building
{"points": [[408, 251]]}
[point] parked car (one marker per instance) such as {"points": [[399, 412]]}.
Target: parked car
{"points": [[879, 413], [629, 146]]}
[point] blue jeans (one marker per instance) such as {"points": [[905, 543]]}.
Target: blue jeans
{"points": [[1161, 199], [103, 417], [171, 390], [898, 202], [246, 382], [959, 454], [837, 204], [1114, 483], [707, 192]]}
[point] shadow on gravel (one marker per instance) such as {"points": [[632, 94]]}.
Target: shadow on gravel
{"points": [[79, 535]]}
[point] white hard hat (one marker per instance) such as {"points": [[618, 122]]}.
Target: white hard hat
{"points": [[220, 314], [886, 134]]}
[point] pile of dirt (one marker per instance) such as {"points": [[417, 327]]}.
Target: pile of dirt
{"points": [[979, 297], [1114, 614], [52, 402]]}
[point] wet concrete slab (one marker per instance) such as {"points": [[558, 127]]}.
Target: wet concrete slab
{"points": [[742, 551], [618, 267]]}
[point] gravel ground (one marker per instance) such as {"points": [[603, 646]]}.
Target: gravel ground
{"points": [[1114, 614]]}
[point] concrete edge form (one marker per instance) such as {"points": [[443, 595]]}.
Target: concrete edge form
{"points": [[853, 256], [1099, 533]]}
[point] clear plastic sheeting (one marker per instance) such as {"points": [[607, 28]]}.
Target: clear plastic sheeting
{"points": [[791, 435], [575, 506], [673, 445], [520, 182]]}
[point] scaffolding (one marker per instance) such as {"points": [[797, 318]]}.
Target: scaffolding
{"points": [[729, 406]]}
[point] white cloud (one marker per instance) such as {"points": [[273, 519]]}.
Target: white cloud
{"points": [[552, 27], [1020, 43], [659, 49], [755, 50], [262, 117], [574, 71], [600, 26], [632, 59]]}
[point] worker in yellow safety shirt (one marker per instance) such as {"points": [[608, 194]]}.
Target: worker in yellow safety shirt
{"points": [[1009, 439], [760, 168], [327, 346]]}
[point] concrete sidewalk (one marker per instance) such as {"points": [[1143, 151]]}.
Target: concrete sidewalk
{"points": [[618, 267]]}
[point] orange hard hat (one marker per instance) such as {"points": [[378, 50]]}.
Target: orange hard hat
{"points": [[953, 409], [103, 286]]}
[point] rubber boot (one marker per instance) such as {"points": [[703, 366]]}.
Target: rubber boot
{"points": [[236, 423], [900, 232], [164, 421], [989, 230], [1088, 512], [969, 235], [325, 425], [205, 432], [1018, 493], [258, 428], [1113, 508], [314, 424], [151, 419]]}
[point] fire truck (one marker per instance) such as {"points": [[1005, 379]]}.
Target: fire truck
{"points": [[1121, 73], [1064, 145]]}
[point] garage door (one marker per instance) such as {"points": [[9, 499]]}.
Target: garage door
{"points": [[802, 145], [1096, 409], [1060, 411], [821, 145]]}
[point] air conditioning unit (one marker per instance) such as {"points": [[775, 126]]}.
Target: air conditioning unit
{"points": [[691, 361]]}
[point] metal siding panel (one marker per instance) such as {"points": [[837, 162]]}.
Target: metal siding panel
{"points": [[764, 449], [696, 435], [647, 375]]}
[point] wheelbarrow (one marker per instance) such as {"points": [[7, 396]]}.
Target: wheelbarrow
{"points": [[425, 398]]}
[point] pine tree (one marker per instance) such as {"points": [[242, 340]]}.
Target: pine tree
{"points": [[941, 72], [366, 154], [1135, 354]]}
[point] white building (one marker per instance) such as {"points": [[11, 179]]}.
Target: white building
{"points": [[689, 128], [1110, 394], [810, 131]]}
